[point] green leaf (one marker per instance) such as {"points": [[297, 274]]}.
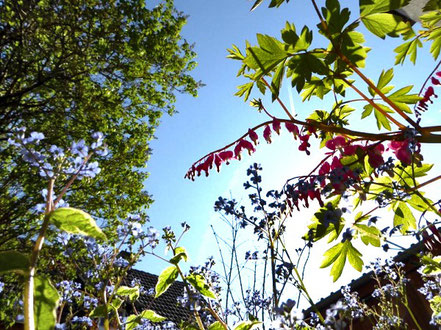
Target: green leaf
{"points": [[46, 299], [418, 203], [246, 325], [198, 282], [409, 48], [99, 311], [435, 305], [75, 221], [380, 6], [385, 78], [152, 316], [116, 303], [382, 120], [13, 261], [382, 24], [403, 217], [245, 90], [276, 83], [256, 4], [180, 253], [354, 257], [267, 55], [132, 293], [367, 111], [167, 277], [369, 234], [132, 322], [381, 184], [331, 255], [216, 326], [339, 264], [432, 266], [235, 53]]}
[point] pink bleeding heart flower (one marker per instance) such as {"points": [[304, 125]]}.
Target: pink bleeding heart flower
{"points": [[337, 142], [375, 156], [276, 126], [218, 162], [290, 127], [243, 144], [226, 156], [267, 134], [325, 168], [336, 163], [253, 136], [401, 151]]}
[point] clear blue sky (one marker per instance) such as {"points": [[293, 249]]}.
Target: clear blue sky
{"points": [[217, 117]]}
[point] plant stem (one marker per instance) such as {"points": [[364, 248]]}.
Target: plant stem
{"points": [[29, 284], [411, 314]]}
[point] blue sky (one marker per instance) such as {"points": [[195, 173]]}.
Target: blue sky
{"points": [[217, 117]]}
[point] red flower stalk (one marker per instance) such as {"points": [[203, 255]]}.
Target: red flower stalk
{"points": [[253, 136], [267, 134], [276, 126]]}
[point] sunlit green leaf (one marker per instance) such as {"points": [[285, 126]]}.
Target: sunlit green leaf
{"points": [[331, 255], [382, 24], [216, 326], [198, 282], [369, 234], [75, 221], [246, 325], [132, 293], [167, 277], [380, 6], [180, 253], [354, 257], [46, 299], [403, 217], [152, 316]]}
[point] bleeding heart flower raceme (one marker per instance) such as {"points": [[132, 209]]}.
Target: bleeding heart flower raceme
{"points": [[223, 156]]}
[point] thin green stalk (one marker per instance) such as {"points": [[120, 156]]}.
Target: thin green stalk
{"points": [[303, 287], [29, 283], [412, 315]]}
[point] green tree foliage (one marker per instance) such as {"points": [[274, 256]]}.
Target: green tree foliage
{"points": [[68, 68]]}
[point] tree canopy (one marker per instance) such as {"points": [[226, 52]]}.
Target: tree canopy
{"points": [[69, 68]]}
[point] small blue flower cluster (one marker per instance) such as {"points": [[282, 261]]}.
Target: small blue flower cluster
{"points": [[69, 290], [430, 289], [53, 161]]}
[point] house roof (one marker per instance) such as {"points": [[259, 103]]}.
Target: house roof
{"points": [[166, 304]]}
